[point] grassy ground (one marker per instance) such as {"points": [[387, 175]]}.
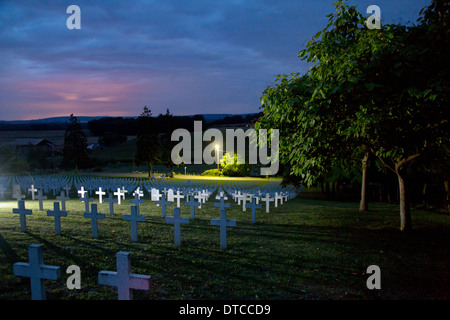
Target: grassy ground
{"points": [[305, 249]]}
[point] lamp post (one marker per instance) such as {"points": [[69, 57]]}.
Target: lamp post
{"points": [[217, 153]]}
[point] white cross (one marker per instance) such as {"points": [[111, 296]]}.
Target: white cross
{"points": [[111, 202], [123, 279], [267, 199], [86, 201], [23, 213], [134, 218], [177, 221], [124, 191], [57, 214], [245, 197], [41, 197], [178, 196], [253, 206], [223, 223], [163, 204], [94, 215], [199, 197], [37, 271], [63, 199], [32, 190], [191, 203], [17, 194], [222, 205], [100, 194], [138, 192], [277, 197], [205, 196], [137, 201], [239, 197], [82, 192], [119, 195], [67, 188]]}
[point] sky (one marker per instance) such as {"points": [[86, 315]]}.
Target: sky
{"points": [[188, 56]]}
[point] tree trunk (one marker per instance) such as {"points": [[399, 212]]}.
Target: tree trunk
{"points": [[363, 205], [405, 208], [149, 165]]}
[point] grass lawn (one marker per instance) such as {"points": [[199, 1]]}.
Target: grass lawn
{"points": [[305, 249]]}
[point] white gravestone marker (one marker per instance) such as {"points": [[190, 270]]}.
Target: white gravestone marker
{"points": [[17, 192], [37, 271], [178, 196], [177, 221], [192, 203], [267, 199], [163, 204], [111, 202], [253, 206], [223, 223], [134, 218], [94, 215], [41, 197], [100, 194], [63, 200], [23, 214], [57, 214], [123, 279], [32, 190]]}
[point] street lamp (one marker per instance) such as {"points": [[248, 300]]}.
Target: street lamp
{"points": [[217, 153]]}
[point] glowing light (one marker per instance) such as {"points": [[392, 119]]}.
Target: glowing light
{"points": [[6, 205]]}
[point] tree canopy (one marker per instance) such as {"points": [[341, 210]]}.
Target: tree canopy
{"points": [[380, 91]]}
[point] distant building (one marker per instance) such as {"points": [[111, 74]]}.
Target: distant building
{"points": [[22, 145]]}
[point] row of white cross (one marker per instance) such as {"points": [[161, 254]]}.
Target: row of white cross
{"points": [[122, 279]]}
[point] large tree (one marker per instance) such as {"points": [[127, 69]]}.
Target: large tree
{"points": [[147, 140], [367, 90], [167, 125], [75, 153]]}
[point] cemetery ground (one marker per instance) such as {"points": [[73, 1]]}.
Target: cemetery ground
{"points": [[305, 249]]}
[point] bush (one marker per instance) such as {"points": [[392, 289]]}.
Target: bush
{"points": [[236, 170], [212, 173]]}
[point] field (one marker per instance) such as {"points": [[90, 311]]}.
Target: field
{"points": [[305, 249]]}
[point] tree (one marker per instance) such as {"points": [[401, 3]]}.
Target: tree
{"points": [[369, 91], [75, 153], [168, 125], [147, 140]]}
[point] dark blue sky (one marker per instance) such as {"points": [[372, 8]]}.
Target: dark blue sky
{"points": [[191, 56]]}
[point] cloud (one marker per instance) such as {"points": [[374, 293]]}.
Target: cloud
{"points": [[194, 56]]}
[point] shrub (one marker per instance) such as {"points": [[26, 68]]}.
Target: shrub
{"points": [[236, 170], [212, 173]]}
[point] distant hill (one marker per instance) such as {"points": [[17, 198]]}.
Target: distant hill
{"points": [[213, 117], [51, 120], [61, 120]]}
